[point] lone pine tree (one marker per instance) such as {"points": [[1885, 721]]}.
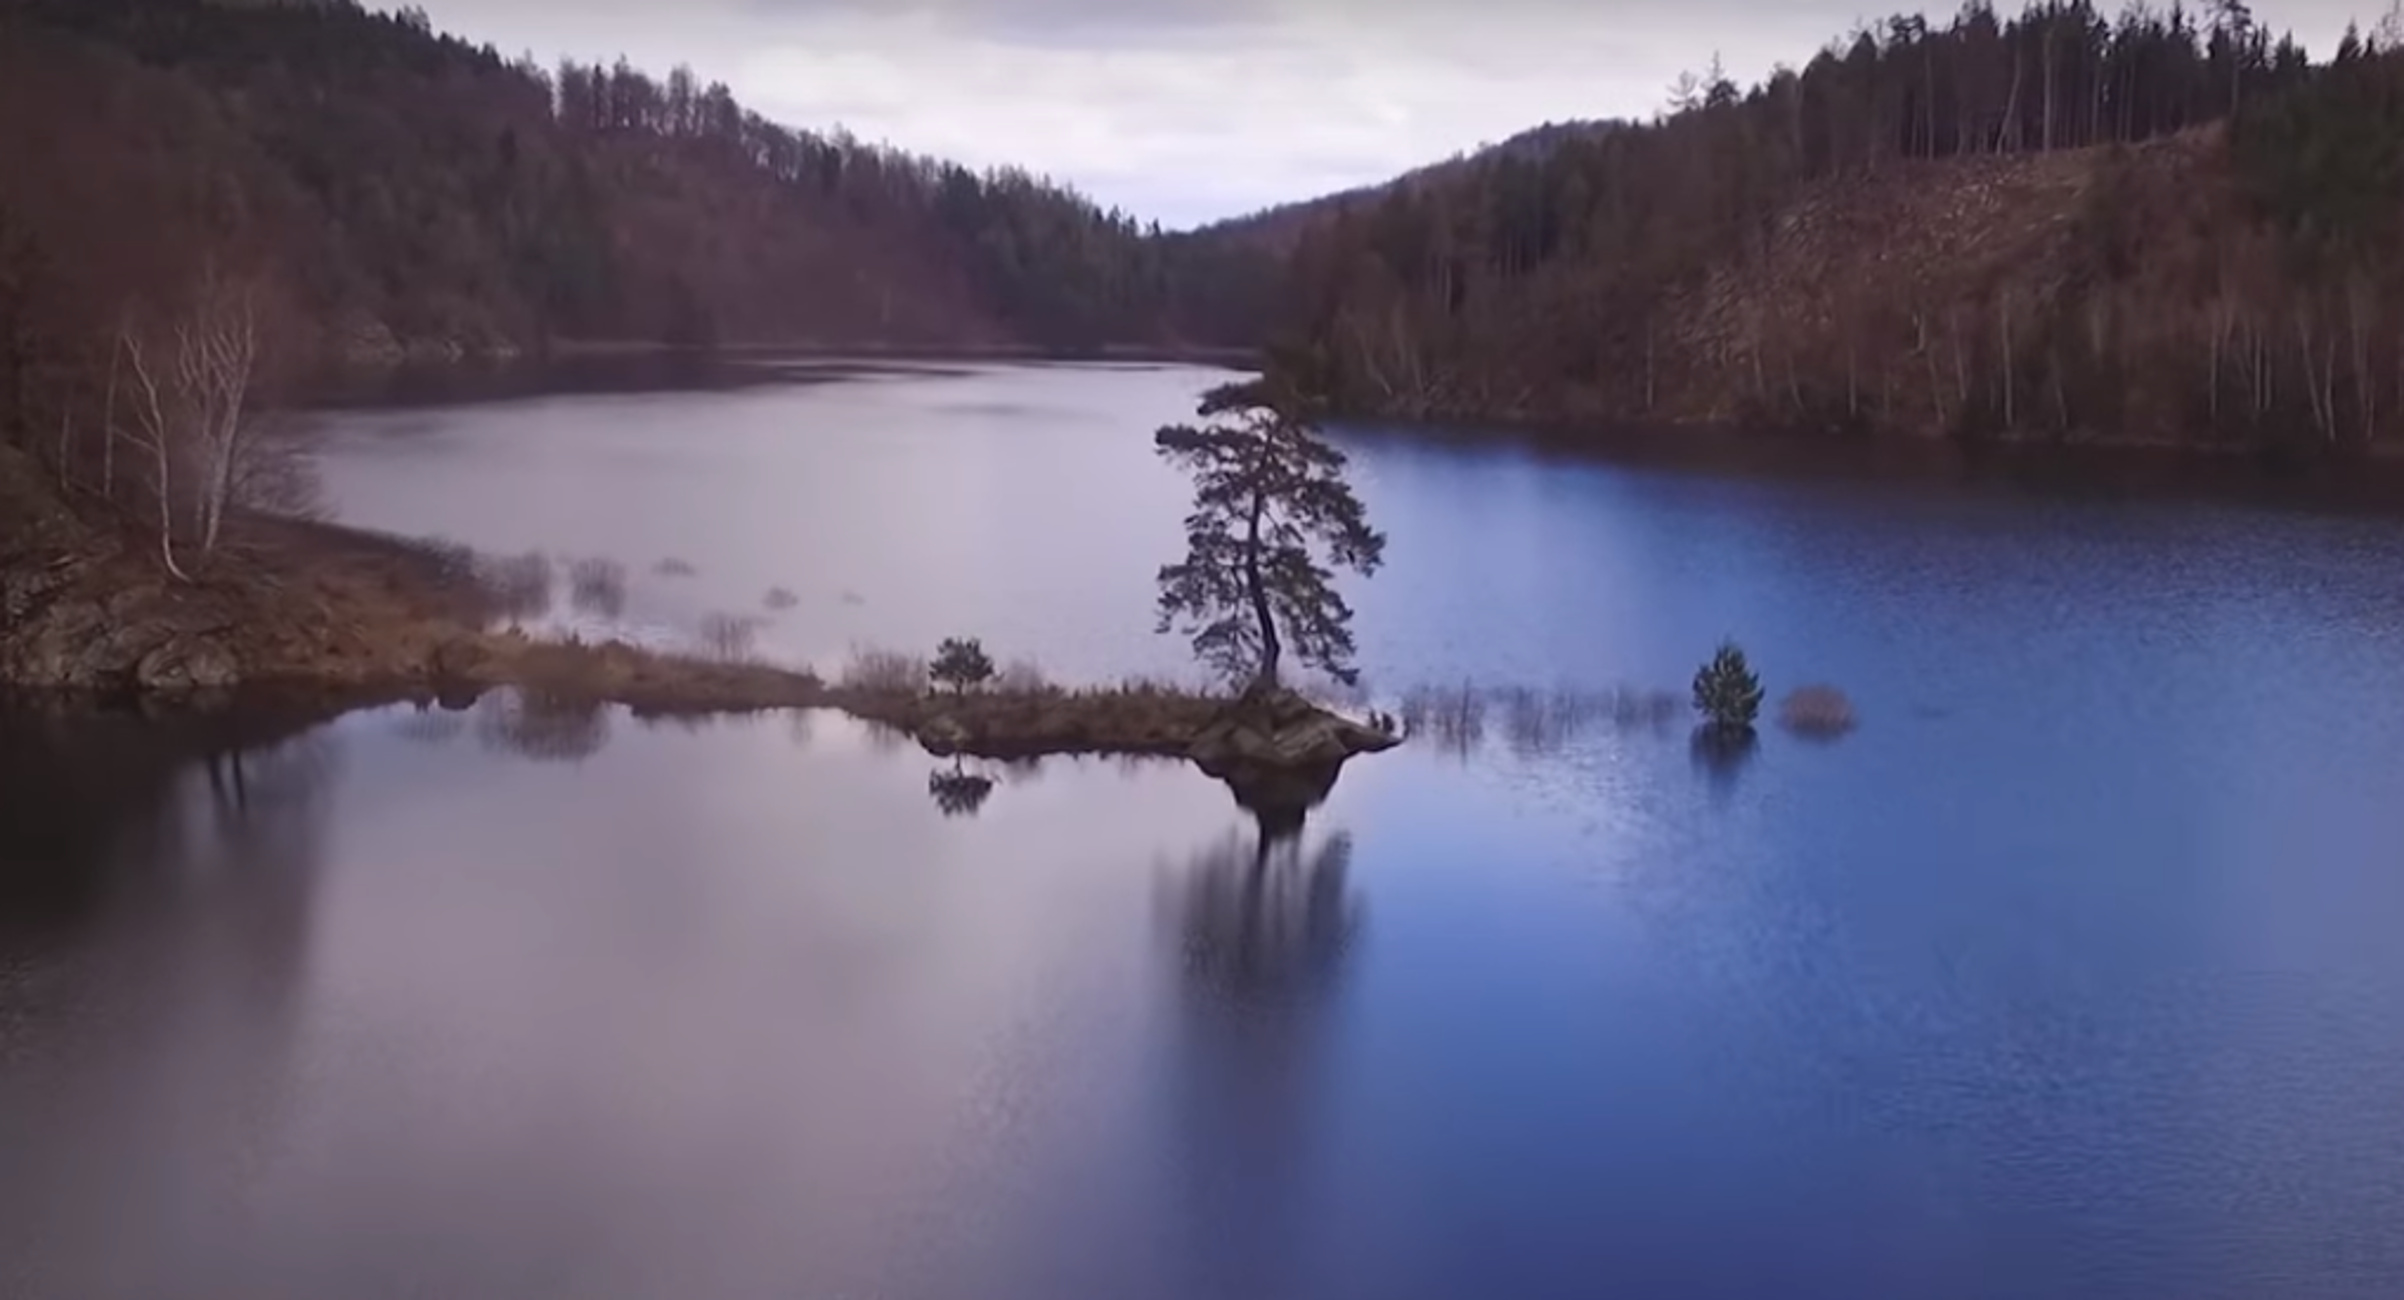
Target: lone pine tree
{"points": [[1270, 501]]}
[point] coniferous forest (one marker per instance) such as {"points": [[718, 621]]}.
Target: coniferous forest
{"points": [[2168, 225], [408, 189]]}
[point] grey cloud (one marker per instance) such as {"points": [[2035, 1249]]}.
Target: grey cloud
{"points": [[1185, 110]]}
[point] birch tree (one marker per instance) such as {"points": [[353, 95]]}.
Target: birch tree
{"points": [[191, 376]]}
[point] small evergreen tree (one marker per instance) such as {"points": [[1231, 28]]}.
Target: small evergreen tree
{"points": [[1726, 692], [962, 664]]}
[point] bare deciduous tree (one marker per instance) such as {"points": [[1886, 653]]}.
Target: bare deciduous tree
{"points": [[192, 372]]}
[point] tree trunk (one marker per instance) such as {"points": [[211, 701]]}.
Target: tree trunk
{"points": [[2047, 144], [2212, 387], [2321, 422], [2003, 358], [1270, 651], [2007, 137], [2365, 386], [167, 516], [1649, 389], [108, 431]]}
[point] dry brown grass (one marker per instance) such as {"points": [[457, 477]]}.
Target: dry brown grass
{"points": [[1818, 711], [884, 672], [1022, 677]]}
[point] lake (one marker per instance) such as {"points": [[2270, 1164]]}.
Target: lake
{"points": [[2072, 972]]}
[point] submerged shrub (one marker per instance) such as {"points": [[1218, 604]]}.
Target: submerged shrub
{"points": [[674, 568], [780, 598], [597, 587], [1726, 692], [729, 638], [1454, 716], [1817, 711], [518, 587]]}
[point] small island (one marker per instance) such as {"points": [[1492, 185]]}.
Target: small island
{"points": [[100, 613]]}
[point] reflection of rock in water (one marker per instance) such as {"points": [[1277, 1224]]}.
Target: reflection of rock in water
{"points": [[543, 726], [1281, 799], [959, 793]]}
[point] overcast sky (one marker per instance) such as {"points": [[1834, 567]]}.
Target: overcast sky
{"points": [[1183, 111]]}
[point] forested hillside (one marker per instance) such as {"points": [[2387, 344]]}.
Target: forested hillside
{"points": [[2051, 226], [404, 189]]}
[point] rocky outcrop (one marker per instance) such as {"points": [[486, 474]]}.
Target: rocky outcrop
{"points": [[1280, 729], [1280, 754], [69, 635]]}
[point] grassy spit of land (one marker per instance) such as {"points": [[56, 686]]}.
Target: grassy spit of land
{"points": [[335, 618]]}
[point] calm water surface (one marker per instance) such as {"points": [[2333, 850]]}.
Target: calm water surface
{"points": [[2074, 972]]}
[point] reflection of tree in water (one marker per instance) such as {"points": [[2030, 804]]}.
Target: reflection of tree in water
{"points": [[167, 870], [885, 741], [1263, 921], [1263, 927], [1722, 755], [265, 813], [431, 726], [957, 791], [542, 725], [90, 798]]}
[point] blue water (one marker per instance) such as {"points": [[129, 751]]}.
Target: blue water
{"points": [[2071, 972]]}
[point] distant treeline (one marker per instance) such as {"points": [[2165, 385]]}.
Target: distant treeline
{"points": [[2169, 227], [411, 189]]}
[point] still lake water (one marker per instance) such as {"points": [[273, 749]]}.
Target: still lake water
{"points": [[2074, 972]]}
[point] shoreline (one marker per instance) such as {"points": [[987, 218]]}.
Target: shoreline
{"points": [[2353, 481], [322, 619]]}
